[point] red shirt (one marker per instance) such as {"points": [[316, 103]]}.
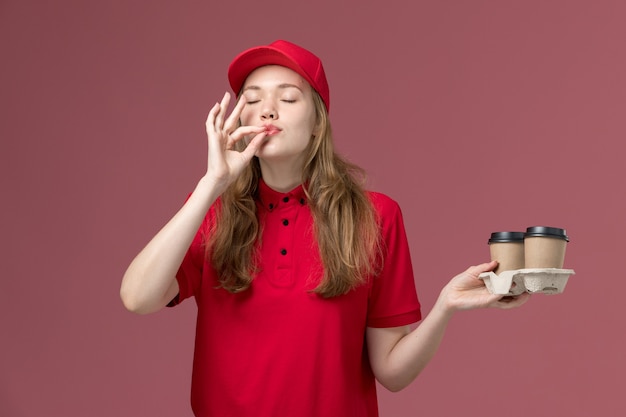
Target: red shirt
{"points": [[276, 349]]}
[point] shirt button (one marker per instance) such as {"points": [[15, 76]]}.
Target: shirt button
{"points": [[285, 222], [302, 201], [283, 251], [285, 199], [271, 206]]}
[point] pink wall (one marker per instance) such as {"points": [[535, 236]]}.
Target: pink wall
{"points": [[476, 116]]}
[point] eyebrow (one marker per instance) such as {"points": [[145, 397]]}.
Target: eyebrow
{"points": [[282, 86]]}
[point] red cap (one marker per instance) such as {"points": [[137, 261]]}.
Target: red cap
{"points": [[285, 54]]}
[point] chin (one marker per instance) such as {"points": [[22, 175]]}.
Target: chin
{"points": [[271, 149]]}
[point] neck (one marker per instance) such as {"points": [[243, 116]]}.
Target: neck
{"points": [[281, 177]]}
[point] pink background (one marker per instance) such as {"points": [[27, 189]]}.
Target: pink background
{"points": [[476, 116]]}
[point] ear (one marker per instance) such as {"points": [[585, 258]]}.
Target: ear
{"points": [[317, 129]]}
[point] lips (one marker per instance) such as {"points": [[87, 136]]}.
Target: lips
{"points": [[271, 130]]}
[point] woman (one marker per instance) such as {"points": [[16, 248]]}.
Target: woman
{"points": [[302, 279]]}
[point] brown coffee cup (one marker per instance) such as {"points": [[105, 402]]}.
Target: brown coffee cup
{"points": [[508, 249], [544, 247]]}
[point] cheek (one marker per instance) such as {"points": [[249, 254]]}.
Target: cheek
{"points": [[313, 123], [245, 117]]}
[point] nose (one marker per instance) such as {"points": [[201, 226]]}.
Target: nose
{"points": [[269, 112]]}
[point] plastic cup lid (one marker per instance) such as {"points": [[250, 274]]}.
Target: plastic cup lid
{"points": [[543, 231], [506, 237]]}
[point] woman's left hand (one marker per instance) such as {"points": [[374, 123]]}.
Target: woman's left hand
{"points": [[466, 291]]}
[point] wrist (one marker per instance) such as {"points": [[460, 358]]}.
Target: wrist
{"points": [[444, 305], [210, 187]]}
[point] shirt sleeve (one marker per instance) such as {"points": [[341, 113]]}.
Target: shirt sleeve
{"points": [[393, 297]]}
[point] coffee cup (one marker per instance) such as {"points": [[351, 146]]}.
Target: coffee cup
{"points": [[544, 247], [508, 249]]}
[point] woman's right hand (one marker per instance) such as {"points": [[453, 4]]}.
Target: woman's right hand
{"points": [[224, 163], [149, 282]]}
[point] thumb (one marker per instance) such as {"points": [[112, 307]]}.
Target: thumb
{"points": [[484, 267], [254, 145]]}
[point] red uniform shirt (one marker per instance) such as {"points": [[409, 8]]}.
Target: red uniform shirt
{"points": [[276, 349]]}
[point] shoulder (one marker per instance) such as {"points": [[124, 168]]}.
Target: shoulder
{"points": [[388, 212], [383, 204]]}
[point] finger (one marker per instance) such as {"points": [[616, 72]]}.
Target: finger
{"points": [[479, 269], [508, 302], [219, 119], [210, 120], [254, 145], [233, 119], [214, 138], [241, 133]]}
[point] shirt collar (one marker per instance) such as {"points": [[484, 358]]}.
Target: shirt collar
{"points": [[271, 199]]}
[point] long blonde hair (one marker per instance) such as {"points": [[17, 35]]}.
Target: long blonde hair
{"points": [[345, 222]]}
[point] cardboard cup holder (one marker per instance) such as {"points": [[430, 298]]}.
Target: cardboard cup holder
{"points": [[532, 280]]}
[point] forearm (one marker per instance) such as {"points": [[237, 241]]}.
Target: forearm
{"points": [[149, 282], [397, 356], [410, 355]]}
